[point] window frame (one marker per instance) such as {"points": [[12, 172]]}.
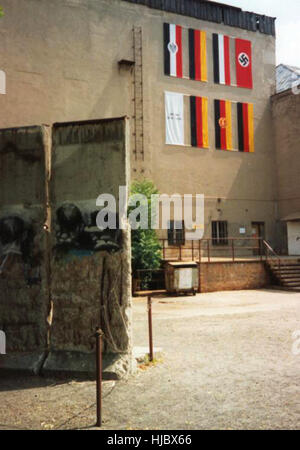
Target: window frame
{"points": [[176, 236], [219, 233]]}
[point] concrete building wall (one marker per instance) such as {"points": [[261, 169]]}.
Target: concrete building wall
{"points": [[286, 119], [62, 65]]}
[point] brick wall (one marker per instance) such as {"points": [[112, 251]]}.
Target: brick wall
{"points": [[226, 276]]}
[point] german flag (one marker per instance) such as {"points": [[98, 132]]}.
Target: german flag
{"points": [[245, 127], [197, 54], [223, 125], [199, 122]]}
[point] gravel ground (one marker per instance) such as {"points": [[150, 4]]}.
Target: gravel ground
{"points": [[227, 364]]}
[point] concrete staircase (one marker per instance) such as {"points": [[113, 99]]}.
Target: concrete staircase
{"points": [[286, 273]]}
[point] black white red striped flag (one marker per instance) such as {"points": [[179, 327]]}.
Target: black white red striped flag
{"points": [[221, 57], [173, 50]]}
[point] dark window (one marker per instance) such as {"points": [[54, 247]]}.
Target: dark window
{"points": [[176, 235], [219, 232]]}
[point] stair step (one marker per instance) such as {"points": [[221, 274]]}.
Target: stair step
{"points": [[287, 274], [290, 278], [285, 266], [290, 282], [287, 270]]}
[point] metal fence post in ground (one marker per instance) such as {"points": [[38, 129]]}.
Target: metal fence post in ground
{"points": [[98, 335], [150, 328]]}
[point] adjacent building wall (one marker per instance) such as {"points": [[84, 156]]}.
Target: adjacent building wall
{"points": [[286, 117]]}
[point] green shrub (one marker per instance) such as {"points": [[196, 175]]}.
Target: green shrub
{"points": [[146, 249]]}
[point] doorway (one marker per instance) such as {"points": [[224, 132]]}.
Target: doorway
{"points": [[258, 232], [294, 238]]}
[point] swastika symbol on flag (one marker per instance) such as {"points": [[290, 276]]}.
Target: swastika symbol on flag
{"points": [[244, 59], [173, 47]]}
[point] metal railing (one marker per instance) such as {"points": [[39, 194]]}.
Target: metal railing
{"points": [[208, 249], [204, 251], [149, 280]]}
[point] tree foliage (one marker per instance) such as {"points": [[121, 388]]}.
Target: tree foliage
{"points": [[1, 11], [146, 249]]}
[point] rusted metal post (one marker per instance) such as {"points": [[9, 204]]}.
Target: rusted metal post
{"points": [[98, 336], [150, 328], [200, 256], [199, 277], [233, 255]]}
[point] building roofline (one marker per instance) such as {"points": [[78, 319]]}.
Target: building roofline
{"points": [[214, 12], [292, 69], [284, 93]]}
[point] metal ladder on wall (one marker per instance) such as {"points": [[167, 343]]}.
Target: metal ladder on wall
{"points": [[138, 101]]}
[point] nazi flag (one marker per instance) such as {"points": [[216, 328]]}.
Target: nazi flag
{"points": [[243, 62]]}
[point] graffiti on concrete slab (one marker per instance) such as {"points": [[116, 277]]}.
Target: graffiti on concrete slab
{"points": [[16, 245], [77, 232]]}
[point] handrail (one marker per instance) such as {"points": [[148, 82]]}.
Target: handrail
{"points": [[269, 248]]}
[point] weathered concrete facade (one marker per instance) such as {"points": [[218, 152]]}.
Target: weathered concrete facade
{"points": [[23, 274], [61, 277], [286, 117], [286, 120], [62, 65]]}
